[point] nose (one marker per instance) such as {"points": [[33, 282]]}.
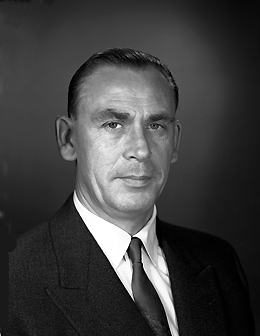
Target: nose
{"points": [[137, 145]]}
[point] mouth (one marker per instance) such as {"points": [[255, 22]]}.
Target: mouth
{"points": [[136, 177], [136, 180]]}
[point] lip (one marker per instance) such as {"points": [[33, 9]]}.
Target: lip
{"points": [[135, 180], [136, 177]]}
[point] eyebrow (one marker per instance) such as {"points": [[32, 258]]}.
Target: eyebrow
{"points": [[110, 113], [162, 116]]}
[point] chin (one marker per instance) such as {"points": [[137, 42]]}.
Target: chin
{"points": [[134, 204]]}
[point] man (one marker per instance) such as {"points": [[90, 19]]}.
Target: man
{"points": [[105, 264]]}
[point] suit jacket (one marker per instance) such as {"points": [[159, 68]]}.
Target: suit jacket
{"points": [[61, 283]]}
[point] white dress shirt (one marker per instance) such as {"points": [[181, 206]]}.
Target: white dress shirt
{"points": [[114, 242]]}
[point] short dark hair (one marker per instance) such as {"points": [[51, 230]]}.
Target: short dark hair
{"points": [[123, 57]]}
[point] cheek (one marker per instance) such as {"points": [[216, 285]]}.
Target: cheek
{"points": [[101, 160], [163, 155]]}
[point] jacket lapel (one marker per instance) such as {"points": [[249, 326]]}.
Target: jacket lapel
{"points": [[90, 294], [197, 302]]}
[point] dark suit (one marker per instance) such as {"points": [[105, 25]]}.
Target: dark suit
{"points": [[61, 283]]}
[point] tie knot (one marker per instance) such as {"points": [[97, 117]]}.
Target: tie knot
{"points": [[134, 250]]}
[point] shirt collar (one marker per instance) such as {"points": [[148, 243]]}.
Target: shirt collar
{"points": [[148, 236], [113, 240]]}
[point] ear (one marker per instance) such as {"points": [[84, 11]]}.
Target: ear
{"points": [[64, 132], [177, 140]]}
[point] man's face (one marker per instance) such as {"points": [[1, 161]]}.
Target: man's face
{"points": [[124, 139]]}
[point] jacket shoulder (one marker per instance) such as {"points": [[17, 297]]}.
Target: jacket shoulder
{"points": [[206, 248], [196, 238], [36, 245], [33, 257]]}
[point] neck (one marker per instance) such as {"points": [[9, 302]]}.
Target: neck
{"points": [[129, 222]]}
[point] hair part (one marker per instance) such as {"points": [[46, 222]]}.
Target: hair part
{"points": [[121, 57]]}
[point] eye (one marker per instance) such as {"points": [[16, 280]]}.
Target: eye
{"points": [[112, 125], [155, 126]]}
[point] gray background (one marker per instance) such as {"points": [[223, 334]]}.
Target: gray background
{"points": [[213, 50]]}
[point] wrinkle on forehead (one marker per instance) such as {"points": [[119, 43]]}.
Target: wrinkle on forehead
{"points": [[126, 86]]}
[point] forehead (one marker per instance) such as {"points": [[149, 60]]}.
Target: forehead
{"points": [[126, 86]]}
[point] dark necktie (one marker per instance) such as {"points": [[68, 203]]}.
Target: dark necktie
{"points": [[145, 296]]}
